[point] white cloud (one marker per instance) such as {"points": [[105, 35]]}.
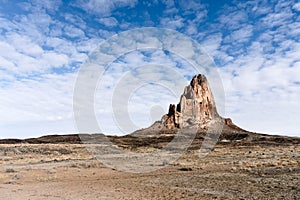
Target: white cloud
{"points": [[47, 100], [108, 21], [73, 32], [241, 35], [212, 43], [297, 6], [75, 20], [233, 19], [190, 7], [53, 59], [103, 7], [50, 6], [169, 3], [175, 17], [24, 44], [5, 64], [259, 8], [277, 19], [172, 23]]}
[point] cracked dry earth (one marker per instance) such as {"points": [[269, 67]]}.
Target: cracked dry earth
{"points": [[68, 171]]}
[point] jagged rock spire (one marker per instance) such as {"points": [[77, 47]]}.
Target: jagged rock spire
{"points": [[196, 106]]}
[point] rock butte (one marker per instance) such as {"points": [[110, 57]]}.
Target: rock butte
{"points": [[196, 107]]}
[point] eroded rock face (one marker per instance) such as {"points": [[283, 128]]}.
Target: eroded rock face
{"points": [[196, 106]]}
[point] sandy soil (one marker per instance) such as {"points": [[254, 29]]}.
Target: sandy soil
{"points": [[69, 171]]}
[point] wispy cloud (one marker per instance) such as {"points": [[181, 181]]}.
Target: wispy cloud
{"points": [[103, 7], [108, 21], [29, 102]]}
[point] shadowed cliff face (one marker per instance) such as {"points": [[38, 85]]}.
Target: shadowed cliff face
{"points": [[196, 107]]}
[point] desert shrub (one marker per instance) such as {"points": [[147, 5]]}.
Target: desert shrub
{"points": [[10, 170]]}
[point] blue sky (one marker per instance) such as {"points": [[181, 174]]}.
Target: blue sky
{"points": [[254, 44]]}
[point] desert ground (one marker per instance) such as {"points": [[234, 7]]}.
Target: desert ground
{"points": [[230, 171]]}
